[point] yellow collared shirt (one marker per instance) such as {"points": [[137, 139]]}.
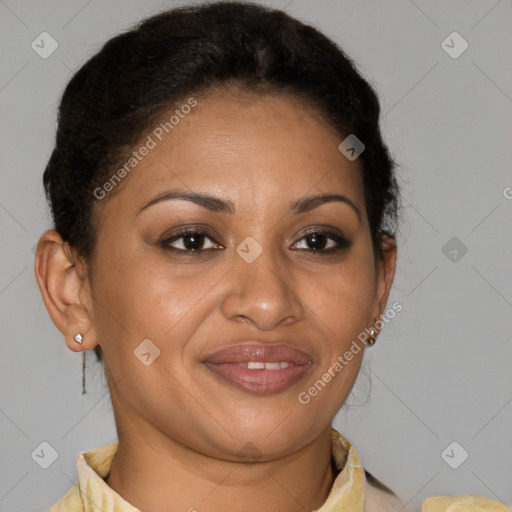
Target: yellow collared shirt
{"points": [[350, 491]]}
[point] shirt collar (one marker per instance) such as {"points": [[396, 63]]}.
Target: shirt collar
{"points": [[347, 492]]}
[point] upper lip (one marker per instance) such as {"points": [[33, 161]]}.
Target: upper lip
{"points": [[259, 352]]}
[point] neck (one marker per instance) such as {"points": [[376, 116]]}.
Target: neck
{"points": [[155, 473]]}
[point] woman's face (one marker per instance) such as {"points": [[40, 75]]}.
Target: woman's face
{"points": [[251, 288]]}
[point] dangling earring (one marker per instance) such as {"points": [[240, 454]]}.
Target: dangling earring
{"points": [[373, 338], [83, 372], [78, 338]]}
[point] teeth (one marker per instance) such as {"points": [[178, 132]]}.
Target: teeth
{"points": [[258, 365], [255, 365]]}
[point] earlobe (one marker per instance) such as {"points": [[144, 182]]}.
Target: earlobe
{"points": [[60, 286]]}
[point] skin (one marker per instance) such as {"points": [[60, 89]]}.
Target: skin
{"points": [[183, 433]]}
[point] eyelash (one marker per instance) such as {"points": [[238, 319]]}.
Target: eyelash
{"points": [[342, 243]]}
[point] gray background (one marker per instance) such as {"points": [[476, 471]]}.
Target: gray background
{"points": [[440, 371]]}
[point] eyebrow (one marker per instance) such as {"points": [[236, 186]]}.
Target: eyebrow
{"points": [[218, 205]]}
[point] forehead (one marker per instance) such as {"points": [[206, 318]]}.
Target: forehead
{"points": [[244, 147]]}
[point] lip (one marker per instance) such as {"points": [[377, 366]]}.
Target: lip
{"points": [[230, 364]]}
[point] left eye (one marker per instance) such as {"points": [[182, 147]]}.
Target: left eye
{"points": [[190, 241], [322, 242]]}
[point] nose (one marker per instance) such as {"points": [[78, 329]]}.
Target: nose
{"points": [[262, 292]]}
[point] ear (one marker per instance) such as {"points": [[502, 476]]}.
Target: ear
{"points": [[65, 291], [385, 274]]}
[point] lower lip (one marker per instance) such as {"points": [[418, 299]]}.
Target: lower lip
{"points": [[261, 381]]}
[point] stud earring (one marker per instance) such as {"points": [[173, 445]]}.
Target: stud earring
{"points": [[373, 338], [78, 337]]}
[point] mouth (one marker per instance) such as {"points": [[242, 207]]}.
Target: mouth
{"points": [[259, 369]]}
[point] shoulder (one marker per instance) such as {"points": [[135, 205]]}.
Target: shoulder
{"points": [[463, 503], [380, 498]]}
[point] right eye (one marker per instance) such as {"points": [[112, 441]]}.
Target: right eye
{"points": [[190, 241]]}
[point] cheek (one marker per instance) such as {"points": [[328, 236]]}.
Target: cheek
{"points": [[343, 300], [147, 297], [342, 297]]}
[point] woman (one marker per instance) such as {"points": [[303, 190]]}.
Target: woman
{"points": [[225, 215]]}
